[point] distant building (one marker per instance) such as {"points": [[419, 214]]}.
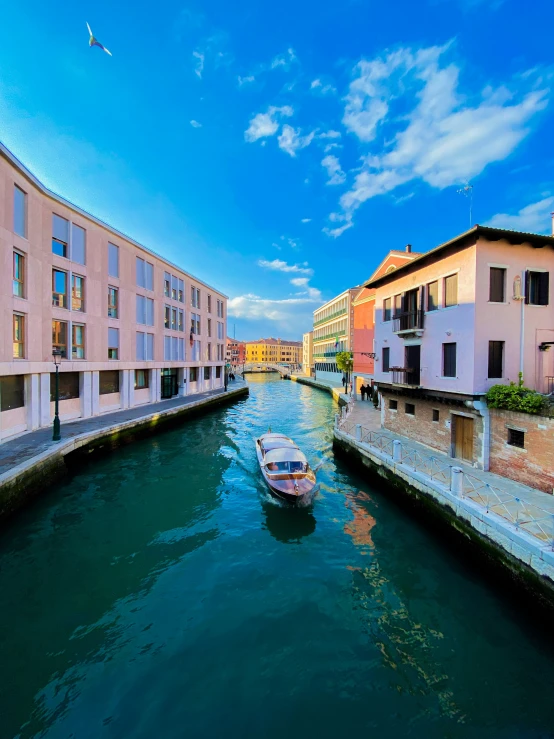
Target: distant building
{"points": [[333, 327], [471, 313], [308, 352], [364, 318], [235, 352], [276, 351]]}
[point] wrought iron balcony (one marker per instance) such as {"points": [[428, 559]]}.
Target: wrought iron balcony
{"points": [[405, 376], [412, 320]]}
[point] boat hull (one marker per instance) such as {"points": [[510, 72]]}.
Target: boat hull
{"points": [[294, 489]]}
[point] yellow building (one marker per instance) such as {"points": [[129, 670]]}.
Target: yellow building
{"points": [[274, 351]]}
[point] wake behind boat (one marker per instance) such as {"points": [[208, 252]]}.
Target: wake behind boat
{"points": [[285, 469]]}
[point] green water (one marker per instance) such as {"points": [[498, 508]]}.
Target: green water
{"points": [[160, 593]]}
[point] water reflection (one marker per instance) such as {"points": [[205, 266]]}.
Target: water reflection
{"points": [[287, 524]]}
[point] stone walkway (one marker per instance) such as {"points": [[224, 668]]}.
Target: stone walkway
{"points": [[365, 414], [23, 448]]}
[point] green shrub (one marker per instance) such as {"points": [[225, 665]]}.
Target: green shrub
{"points": [[514, 397]]}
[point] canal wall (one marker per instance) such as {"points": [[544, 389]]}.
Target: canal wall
{"points": [[336, 392], [27, 480], [518, 556]]}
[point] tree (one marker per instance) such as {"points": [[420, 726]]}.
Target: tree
{"points": [[345, 361]]}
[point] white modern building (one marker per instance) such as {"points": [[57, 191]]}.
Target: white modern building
{"points": [[308, 353], [332, 333]]}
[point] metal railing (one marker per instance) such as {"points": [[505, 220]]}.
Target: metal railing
{"points": [[330, 317], [405, 376], [408, 321], [525, 516]]}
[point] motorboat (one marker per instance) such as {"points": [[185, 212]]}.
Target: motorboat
{"points": [[285, 469]]}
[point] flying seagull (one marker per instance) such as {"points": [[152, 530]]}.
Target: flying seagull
{"points": [[93, 42]]}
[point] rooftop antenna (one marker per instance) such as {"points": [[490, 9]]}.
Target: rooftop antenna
{"points": [[467, 190]]}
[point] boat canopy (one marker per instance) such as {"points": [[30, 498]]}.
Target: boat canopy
{"points": [[274, 436], [270, 444], [287, 454]]}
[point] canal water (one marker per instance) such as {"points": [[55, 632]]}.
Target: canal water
{"points": [[161, 593]]}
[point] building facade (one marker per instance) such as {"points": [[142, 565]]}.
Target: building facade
{"points": [[332, 333], [131, 327], [274, 351], [471, 313], [363, 305], [308, 353], [236, 353]]}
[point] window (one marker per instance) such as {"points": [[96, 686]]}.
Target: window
{"points": [[181, 347], [174, 319], [516, 438], [181, 293], [218, 373], [449, 360], [196, 349], [142, 379], [209, 303], [497, 285], [113, 344], [145, 346], [195, 297], [77, 293], [209, 327], [18, 275], [12, 392], [78, 341], [193, 374], [195, 323], [77, 244], [181, 323], [18, 336], [496, 358], [109, 382], [435, 415], [209, 352], [113, 302], [68, 386], [536, 288], [167, 314], [387, 309], [174, 287], [433, 296], [397, 305], [145, 310], [220, 328], [450, 291], [113, 260], [59, 337], [409, 408], [145, 274], [167, 284], [386, 359], [206, 373], [60, 235], [19, 212], [220, 308], [393, 405], [140, 349], [59, 288], [149, 347]]}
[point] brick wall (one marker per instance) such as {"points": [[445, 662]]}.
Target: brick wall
{"points": [[534, 464], [421, 427]]}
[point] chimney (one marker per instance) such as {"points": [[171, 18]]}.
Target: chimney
{"points": [[408, 248]]}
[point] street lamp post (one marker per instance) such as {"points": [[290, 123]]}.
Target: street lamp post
{"points": [[56, 436]]}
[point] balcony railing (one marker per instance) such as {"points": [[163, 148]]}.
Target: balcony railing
{"points": [[330, 317], [405, 376], [326, 354], [329, 336], [412, 320]]}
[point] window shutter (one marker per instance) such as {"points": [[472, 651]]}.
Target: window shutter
{"points": [[496, 290], [77, 244], [543, 288], [167, 348], [149, 276], [386, 361], [174, 349], [451, 290], [113, 338], [149, 312], [140, 346], [60, 228], [527, 285], [149, 347], [181, 350], [113, 260]]}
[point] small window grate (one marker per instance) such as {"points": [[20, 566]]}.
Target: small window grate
{"points": [[516, 438], [393, 405], [409, 408]]}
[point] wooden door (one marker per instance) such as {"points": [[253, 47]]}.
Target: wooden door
{"points": [[463, 438]]}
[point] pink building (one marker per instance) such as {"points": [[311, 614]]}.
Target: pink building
{"points": [[132, 327], [471, 313]]}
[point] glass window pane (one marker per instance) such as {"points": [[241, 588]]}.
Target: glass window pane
{"points": [[167, 348], [19, 219], [77, 244], [149, 347], [12, 392], [59, 337], [149, 312], [113, 260], [149, 276], [60, 228], [113, 338], [140, 345], [109, 382], [140, 271]]}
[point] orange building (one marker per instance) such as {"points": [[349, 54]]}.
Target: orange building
{"points": [[363, 305]]}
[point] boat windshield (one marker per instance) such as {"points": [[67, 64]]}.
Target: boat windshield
{"points": [[281, 467]]}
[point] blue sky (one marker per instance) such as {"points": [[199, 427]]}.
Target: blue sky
{"points": [[280, 151]]}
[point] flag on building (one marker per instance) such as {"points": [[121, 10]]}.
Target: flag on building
{"points": [[337, 341]]}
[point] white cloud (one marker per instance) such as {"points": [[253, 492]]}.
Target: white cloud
{"points": [[334, 170], [329, 134], [448, 138], [305, 220], [323, 89], [199, 65], [288, 311], [279, 266], [300, 281], [283, 60], [290, 140], [195, 124], [533, 218], [245, 80], [266, 124]]}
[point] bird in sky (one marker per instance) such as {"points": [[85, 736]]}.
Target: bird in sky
{"points": [[93, 42]]}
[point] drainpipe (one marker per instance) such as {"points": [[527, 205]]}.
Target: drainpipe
{"points": [[481, 406], [522, 326]]}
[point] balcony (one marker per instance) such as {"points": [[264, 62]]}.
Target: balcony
{"points": [[409, 322], [406, 376], [334, 335], [330, 317]]}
